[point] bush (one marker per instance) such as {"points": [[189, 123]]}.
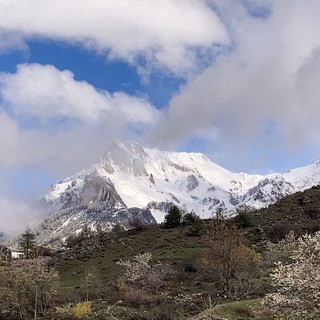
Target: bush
{"points": [[141, 274], [173, 218], [297, 283], [137, 223], [313, 213], [196, 228], [280, 230], [230, 262], [136, 297], [190, 218], [194, 222], [244, 312], [244, 219], [81, 310], [164, 311], [281, 250], [72, 240], [117, 229]]}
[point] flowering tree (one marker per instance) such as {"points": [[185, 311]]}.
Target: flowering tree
{"points": [[137, 268], [141, 274], [31, 284], [297, 283]]}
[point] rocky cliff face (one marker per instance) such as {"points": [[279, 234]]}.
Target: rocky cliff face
{"points": [[95, 202], [130, 181]]}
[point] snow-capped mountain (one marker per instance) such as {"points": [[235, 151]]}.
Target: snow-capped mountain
{"points": [[130, 180]]}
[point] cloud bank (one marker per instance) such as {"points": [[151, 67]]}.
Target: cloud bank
{"points": [[18, 216], [50, 114], [262, 94], [167, 34], [251, 71]]}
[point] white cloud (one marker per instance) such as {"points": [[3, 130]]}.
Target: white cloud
{"points": [[9, 140], [56, 152], [165, 33], [53, 124], [263, 94], [51, 119], [265, 89], [11, 40], [45, 92], [259, 97], [18, 216]]}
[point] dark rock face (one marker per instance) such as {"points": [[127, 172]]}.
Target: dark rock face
{"points": [[152, 179], [100, 190], [97, 202], [144, 214], [162, 206], [95, 190], [192, 183]]}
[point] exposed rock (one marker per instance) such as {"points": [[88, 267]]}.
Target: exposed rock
{"points": [[152, 179], [192, 183], [97, 202]]}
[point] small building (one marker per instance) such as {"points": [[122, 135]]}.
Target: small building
{"points": [[16, 254]]}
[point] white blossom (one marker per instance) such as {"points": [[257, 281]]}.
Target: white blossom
{"points": [[297, 283]]}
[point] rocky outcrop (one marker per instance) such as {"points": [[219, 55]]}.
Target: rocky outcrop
{"points": [[97, 203]]}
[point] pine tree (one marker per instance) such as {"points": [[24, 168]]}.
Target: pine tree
{"points": [[27, 243], [173, 218]]}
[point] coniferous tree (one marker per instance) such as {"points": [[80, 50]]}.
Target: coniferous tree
{"points": [[173, 218], [27, 243]]}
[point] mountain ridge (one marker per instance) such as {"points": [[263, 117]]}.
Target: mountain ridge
{"points": [[129, 178]]}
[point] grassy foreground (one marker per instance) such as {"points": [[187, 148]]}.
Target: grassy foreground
{"points": [[238, 310]]}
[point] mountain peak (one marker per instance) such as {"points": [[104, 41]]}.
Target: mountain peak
{"points": [[130, 176], [120, 151]]}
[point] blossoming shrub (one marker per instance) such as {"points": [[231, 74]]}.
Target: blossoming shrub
{"points": [[297, 281], [140, 273]]}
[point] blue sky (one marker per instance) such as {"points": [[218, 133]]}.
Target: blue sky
{"points": [[236, 80]]}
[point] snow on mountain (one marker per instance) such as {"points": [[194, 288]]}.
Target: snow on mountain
{"points": [[128, 176], [304, 177]]}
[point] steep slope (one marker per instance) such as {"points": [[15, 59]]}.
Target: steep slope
{"points": [[89, 199], [299, 212], [128, 176], [150, 179]]}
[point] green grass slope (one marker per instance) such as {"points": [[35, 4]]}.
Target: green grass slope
{"points": [[96, 257]]}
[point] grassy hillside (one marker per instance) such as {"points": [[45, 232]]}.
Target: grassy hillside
{"points": [[98, 256], [88, 270], [299, 212]]}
